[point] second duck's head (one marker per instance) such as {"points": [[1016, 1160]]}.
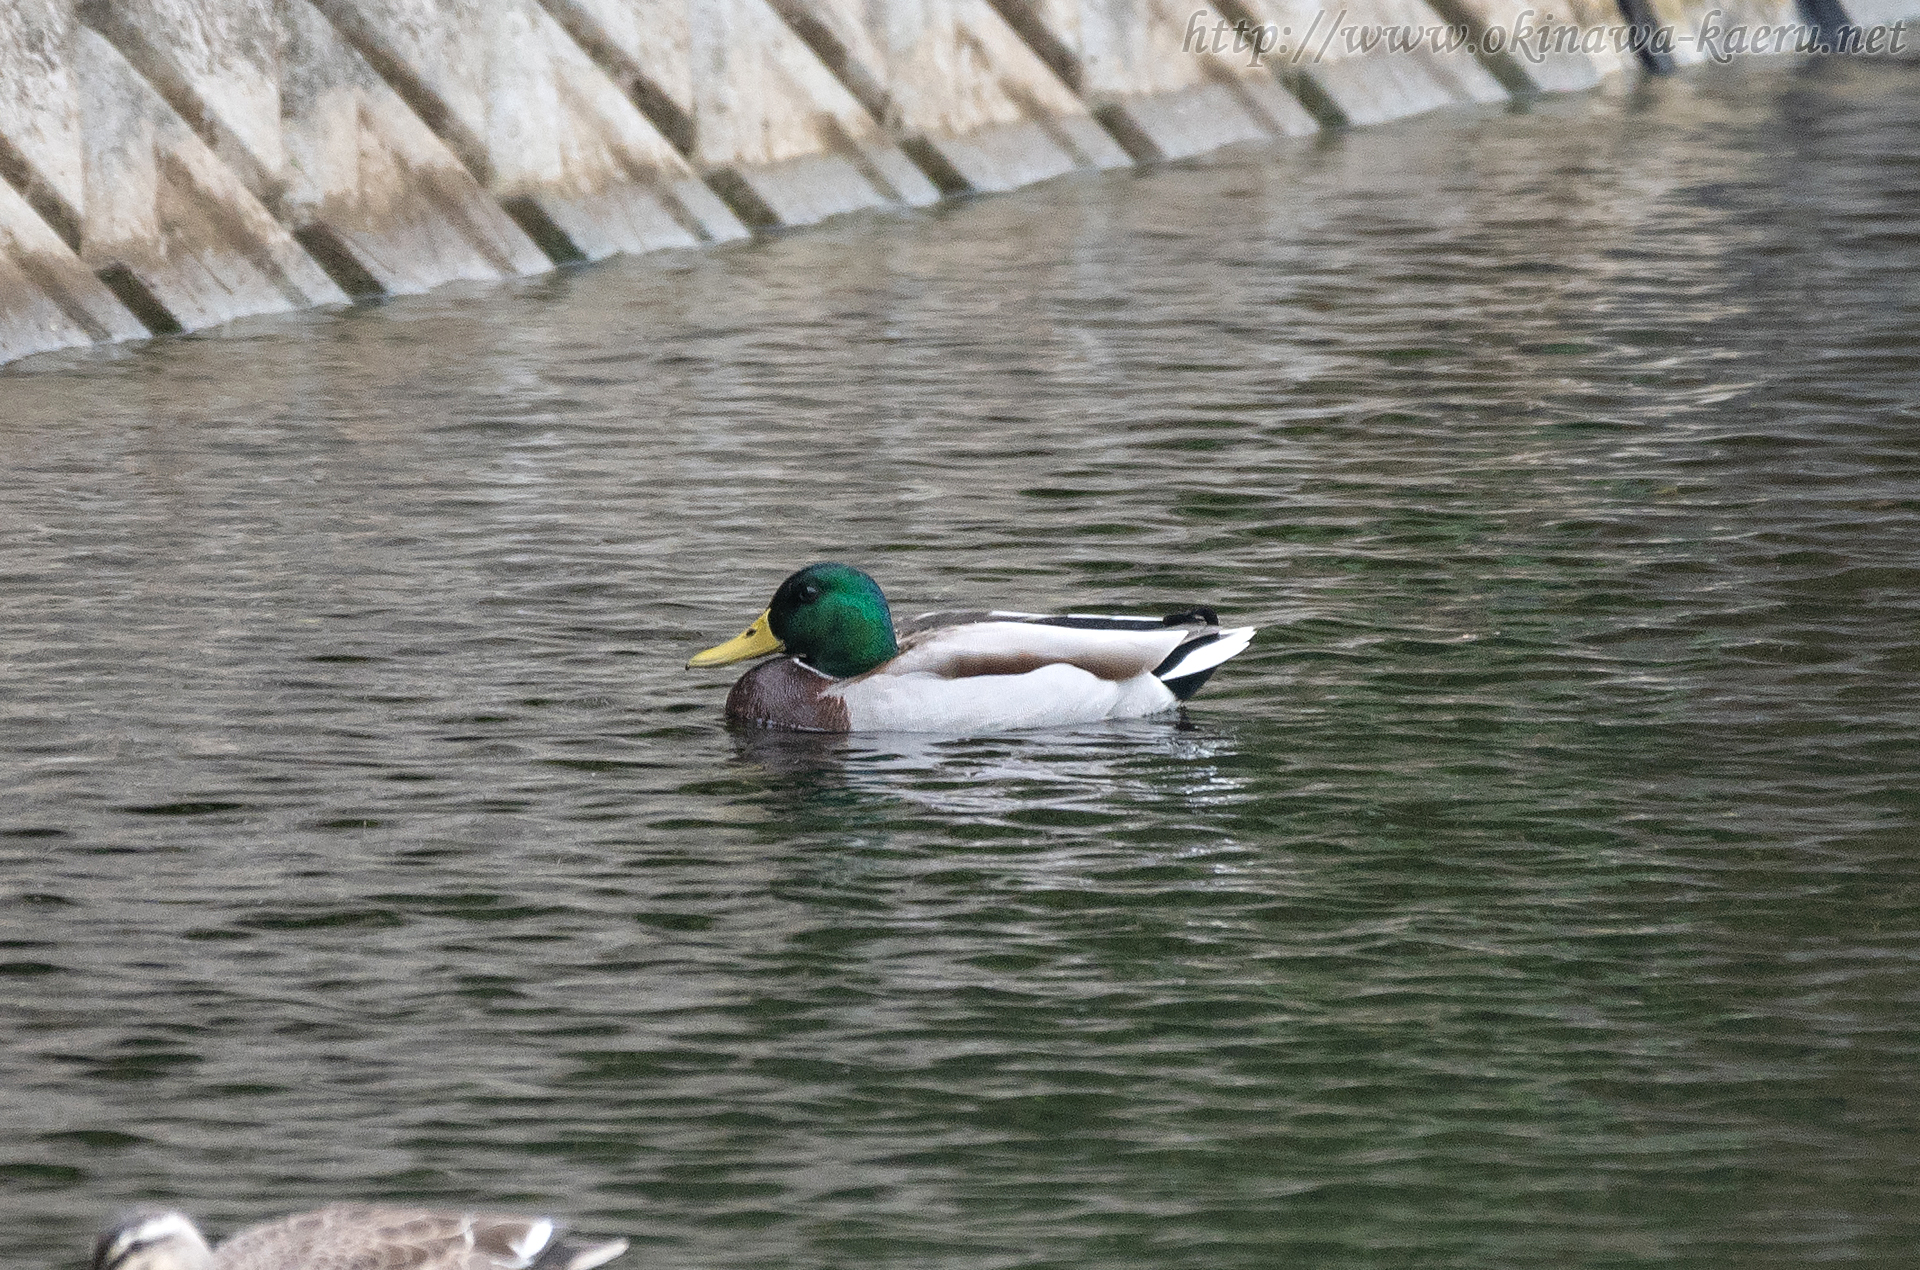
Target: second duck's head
{"points": [[830, 616], [153, 1241]]}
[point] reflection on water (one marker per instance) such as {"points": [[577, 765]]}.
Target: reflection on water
{"points": [[1538, 888], [1066, 777]]}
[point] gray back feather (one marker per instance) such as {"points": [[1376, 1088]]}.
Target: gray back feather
{"points": [[365, 1237]]}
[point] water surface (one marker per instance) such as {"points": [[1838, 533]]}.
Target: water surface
{"points": [[1538, 890]]}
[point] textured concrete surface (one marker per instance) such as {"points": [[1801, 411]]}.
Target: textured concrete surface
{"points": [[40, 144], [536, 122], [163, 220], [321, 140], [1603, 15], [1152, 74], [1886, 13], [48, 298], [972, 104], [1530, 69], [175, 164], [1686, 17], [1343, 82], [748, 104], [117, 176]]}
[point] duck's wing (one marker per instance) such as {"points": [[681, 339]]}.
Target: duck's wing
{"points": [[1012, 646], [1181, 649], [366, 1237], [924, 622]]}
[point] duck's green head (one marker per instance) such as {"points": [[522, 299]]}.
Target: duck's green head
{"points": [[831, 616]]}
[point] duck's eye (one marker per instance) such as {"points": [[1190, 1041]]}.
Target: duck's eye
{"points": [[809, 592]]}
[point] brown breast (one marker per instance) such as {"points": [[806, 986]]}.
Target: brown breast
{"points": [[784, 694]]}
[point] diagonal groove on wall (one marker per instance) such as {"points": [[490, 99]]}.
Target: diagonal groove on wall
{"points": [[61, 216], [1036, 85], [653, 101], [110, 21], [234, 233], [411, 88]]}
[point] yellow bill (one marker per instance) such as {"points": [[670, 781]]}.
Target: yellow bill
{"points": [[756, 641]]}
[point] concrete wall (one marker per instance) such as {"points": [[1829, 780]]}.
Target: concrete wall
{"points": [[1345, 86], [1556, 71], [744, 99], [1153, 76], [321, 140], [170, 165], [1884, 12]]}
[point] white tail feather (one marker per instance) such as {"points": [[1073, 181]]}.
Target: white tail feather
{"points": [[1231, 643], [534, 1241], [598, 1255]]}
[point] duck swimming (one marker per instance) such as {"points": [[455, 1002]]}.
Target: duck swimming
{"points": [[848, 668], [349, 1235]]}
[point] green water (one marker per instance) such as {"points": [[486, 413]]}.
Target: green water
{"points": [[1539, 890]]}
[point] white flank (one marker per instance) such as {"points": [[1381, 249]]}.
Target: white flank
{"points": [[1052, 696]]}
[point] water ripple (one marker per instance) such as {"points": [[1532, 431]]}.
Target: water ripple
{"points": [[1538, 888]]}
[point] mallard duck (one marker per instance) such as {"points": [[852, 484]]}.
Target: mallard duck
{"points": [[849, 669], [353, 1235]]}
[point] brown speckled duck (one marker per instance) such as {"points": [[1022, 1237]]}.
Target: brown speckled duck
{"points": [[354, 1237]]}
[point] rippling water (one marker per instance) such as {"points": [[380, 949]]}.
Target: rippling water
{"points": [[1540, 889]]}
